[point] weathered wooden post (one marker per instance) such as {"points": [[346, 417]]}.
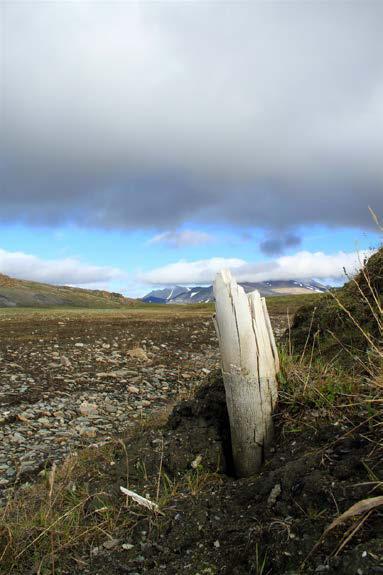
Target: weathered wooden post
{"points": [[249, 365]]}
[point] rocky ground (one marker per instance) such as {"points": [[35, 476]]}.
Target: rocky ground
{"points": [[73, 379], [68, 379]]}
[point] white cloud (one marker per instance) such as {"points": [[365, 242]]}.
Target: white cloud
{"points": [[301, 265], [184, 272], [179, 239], [69, 271]]}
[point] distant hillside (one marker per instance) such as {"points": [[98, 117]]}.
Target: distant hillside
{"points": [[182, 295], [22, 293]]}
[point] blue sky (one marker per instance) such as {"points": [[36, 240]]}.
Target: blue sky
{"points": [[152, 143], [133, 252]]}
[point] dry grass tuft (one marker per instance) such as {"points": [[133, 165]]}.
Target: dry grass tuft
{"points": [[77, 507], [69, 509]]}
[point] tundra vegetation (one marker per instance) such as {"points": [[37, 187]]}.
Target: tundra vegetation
{"points": [[316, 504]]}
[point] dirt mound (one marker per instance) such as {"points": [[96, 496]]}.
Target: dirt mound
{"points": [[196, 434], [268, 524], [338, 326], [201, 427]]}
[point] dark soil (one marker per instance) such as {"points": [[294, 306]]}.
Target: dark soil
{"points": [[266, 524]]}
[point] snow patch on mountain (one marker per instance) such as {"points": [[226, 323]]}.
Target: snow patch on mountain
{"points": [[204, 294]]}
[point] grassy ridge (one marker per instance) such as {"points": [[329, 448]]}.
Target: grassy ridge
{"points": [[283, 304], [346, 324], [22, 293]]}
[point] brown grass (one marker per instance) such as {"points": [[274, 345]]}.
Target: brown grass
{"points": [[68, 509], [77, 506]]}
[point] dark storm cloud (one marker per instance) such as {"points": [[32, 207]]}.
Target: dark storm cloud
{"points": [[276, 245], [153, 114]]}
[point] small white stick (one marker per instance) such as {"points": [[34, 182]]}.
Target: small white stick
{"points": [[140, 500]]}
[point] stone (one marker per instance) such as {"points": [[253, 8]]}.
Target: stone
{"points": [[110, 543], [138, 353], [110, 408], [197, 461], [18, 437], [65, 361], [22, 417], [274, 494], [87, 409], [44, 421], [88, 431], [28, 467]]}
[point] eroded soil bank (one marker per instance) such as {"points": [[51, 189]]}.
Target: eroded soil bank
{"points": [[213, 523]]}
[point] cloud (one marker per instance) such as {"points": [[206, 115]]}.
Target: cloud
{"points": [[179, 239], [301, 265], [184, 272], [153, 114], [67, 271], [276, 245]]}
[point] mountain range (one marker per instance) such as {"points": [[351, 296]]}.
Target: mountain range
{"points": [[204, 294]]}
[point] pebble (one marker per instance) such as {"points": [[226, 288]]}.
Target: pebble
{"points": [[138, 353], [110, 543], [88, 409], [274, 494], [133, 389]]}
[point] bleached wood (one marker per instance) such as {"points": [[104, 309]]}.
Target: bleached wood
{"points": [[140, 500], [267, 365], [271, 336], [249, 362]]}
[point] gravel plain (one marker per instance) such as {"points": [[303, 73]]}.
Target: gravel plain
{"points": [[72, 378]]}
